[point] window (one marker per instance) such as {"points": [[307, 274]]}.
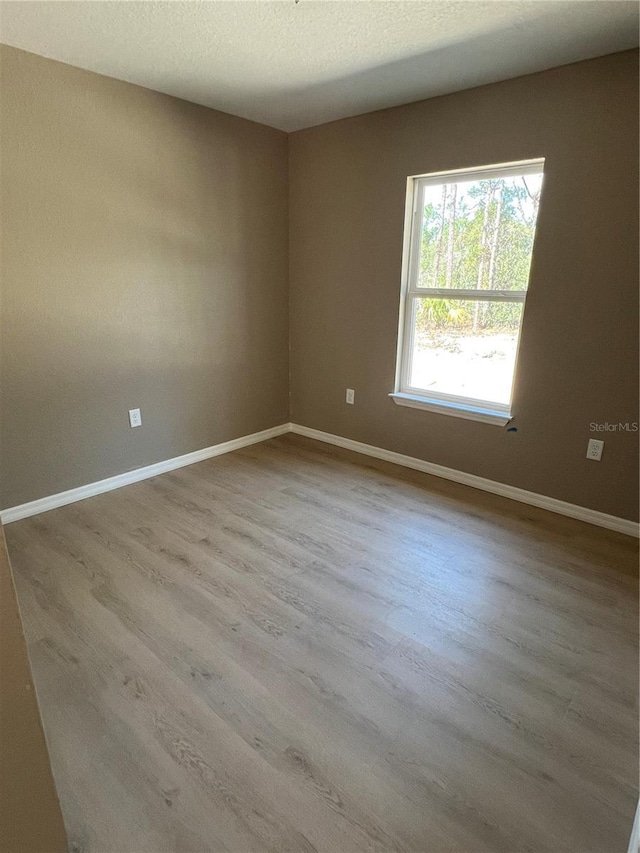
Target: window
{"points": [[468, 244]]}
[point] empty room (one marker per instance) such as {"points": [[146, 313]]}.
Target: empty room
{"points": [[319, 426]]}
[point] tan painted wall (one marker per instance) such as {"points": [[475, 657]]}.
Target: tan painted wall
{"points": [[579, 350], [30, 817], [144, 263]]}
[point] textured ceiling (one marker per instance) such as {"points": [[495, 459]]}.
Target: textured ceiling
{"points": [[294, 65]]}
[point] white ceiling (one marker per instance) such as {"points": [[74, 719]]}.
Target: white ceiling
{"points": [[293, 65]]}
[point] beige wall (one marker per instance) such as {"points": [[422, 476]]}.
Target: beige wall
{"points": [[144, 263], [579, 350]]}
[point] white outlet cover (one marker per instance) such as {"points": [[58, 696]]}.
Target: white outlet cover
{"points": [[351, 396], [594, 449], [135, 418]]}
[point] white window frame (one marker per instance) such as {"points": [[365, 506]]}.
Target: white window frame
{"points": [[436, 401]]}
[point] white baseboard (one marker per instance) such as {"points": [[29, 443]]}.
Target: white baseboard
{"points": [[591, 516], [15, 513]]}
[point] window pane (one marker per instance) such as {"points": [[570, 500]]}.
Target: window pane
{"points": [[464, 348], [478, 234]]}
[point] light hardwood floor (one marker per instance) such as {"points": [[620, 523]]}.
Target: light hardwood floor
{"points": [[293, 648]]}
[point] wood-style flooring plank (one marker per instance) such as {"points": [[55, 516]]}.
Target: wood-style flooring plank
{"points": [[293, 648]]}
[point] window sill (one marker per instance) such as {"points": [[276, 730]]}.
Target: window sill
{"points": [[456, 410]]}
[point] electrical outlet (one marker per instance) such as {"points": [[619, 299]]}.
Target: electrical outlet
{"points": [[594, 449], [135, 418], [351, 396]]}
